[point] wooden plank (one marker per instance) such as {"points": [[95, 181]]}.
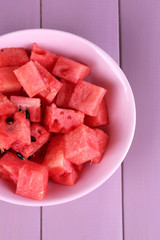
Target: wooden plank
{"points": [[98, 215], [17, 222], [140, 61]]}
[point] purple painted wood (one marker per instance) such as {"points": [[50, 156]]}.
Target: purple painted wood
{"points": [[17, 222], [98, 215], [140, 61]]}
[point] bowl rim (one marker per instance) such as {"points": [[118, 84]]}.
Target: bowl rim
{"points": [[113, 65]]}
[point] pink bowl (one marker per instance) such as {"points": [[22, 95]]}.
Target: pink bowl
{"points": [[121, 105]]}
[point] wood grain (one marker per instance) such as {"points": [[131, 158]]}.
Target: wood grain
{"points": [[17, 222], [140, 61], [98, 215]]}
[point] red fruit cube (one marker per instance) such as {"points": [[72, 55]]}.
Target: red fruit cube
{"points": [[32, 181], [102, 139], [101, 118], [60, 170], [6, 107], [60, 120], [64, 94], [45, 58], [13, 57], [15, 130], [10, 165], [8, 81], [70, 70], [81, 145], [39, 136], [30, 79], [33, 105], [52, 85], [87, 97]]}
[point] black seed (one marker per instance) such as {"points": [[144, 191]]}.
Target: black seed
{"points": [[33, 139], [27, 114], [20, 110], [20, 156], [29, 157], [10, 120]]}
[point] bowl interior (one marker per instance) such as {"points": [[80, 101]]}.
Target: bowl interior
{"points": [[121, 106]]}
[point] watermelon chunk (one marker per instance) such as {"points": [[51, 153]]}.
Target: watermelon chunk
{"points": [[102, 139], [60, 120], [87, 97], [6, 107], [30, 79], [10, 165], [101, 118], [45, 58], [81, 145], [32, 181], [13, 57], [70, 70], [39, 136], [64, 94], [15, 130], [33, 105], [60, 170], [52, 85], [8, 81]]}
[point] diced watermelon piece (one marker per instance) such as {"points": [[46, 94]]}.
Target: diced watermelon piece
{"points": [[30, 79], [10, 165], [8, 81], [87, 97], [6, 106], [45, 58], [65, 94], [101, 118], [32, 181], [60, 120], [16, 131], [39, 136], [52, 84], [33, 105], [60, 170], [81, 145], [13, 57], [102, 139], [70, 70]]}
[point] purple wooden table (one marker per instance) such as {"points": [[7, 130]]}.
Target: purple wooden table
{"points": [[127, 206]]}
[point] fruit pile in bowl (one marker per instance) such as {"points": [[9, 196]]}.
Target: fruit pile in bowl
{"points": [[55, 141]]}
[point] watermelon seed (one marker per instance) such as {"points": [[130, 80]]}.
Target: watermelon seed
{"points": [[20, 110], [61, 113], [20, 156], [33, 139], [69, 117], [27, 114], [29, 157], [10, 120]]}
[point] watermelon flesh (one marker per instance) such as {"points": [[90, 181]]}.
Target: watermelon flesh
{"points": [[45, 58], [70, 70], [10, 165], [61, 120], [101, 118], [33, 105], [60, 170], [64, 94], [39, 136], [32, 181], [6, 107], [87, 97], [9, 84], [17, 132], [52, 85], [30, 79], [13, 57], [102, 139], [81, 145]]}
